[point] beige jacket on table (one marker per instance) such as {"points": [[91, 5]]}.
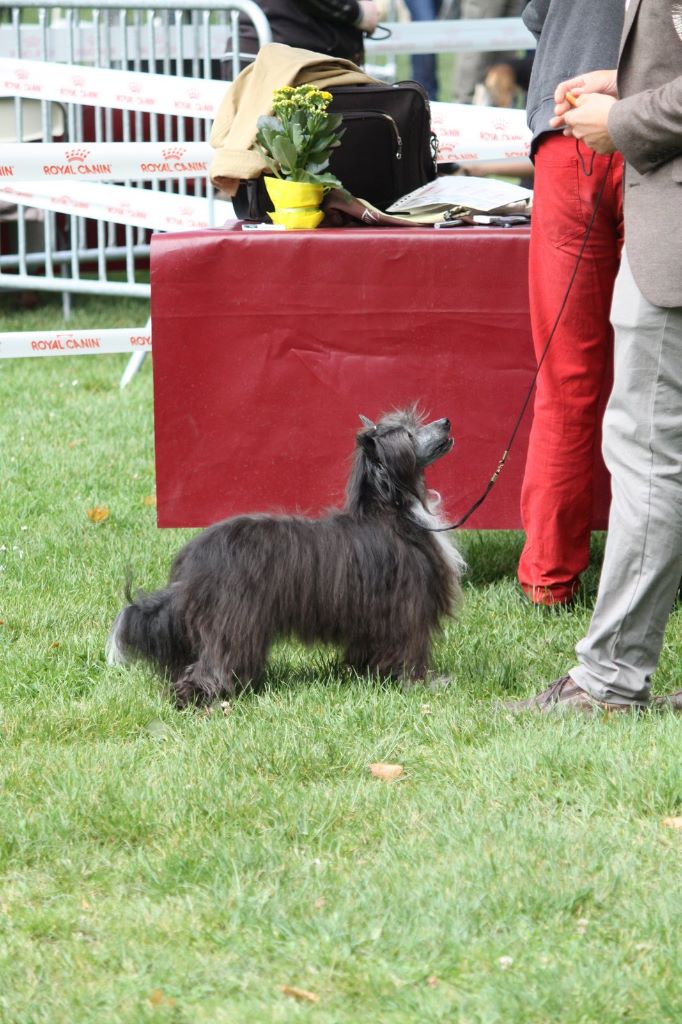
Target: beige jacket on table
{"points": [[646, 126], [250, 96]]}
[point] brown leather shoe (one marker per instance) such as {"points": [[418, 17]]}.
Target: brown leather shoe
{"points": [[565, 694], [671, 701]]}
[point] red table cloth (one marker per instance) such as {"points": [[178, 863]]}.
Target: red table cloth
{"points": [[268, 345]]}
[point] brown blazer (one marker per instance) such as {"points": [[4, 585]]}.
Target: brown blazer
{"points": [[646, 126]]}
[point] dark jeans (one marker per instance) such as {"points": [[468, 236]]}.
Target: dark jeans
{"points": [[424, 64]]}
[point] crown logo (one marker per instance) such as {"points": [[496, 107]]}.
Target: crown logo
{"points": [[78, 80], [194, 94], [135, 87], [21, 73], [500, 124], [173, 153], [76, 155]]}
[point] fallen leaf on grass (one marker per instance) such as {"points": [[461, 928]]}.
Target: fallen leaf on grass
{"points": [[157, 998], [97, 514], [320, 902], [432, 981], [299, 993], [158, 729], [149, 500], [387, 772], [673, 822]]}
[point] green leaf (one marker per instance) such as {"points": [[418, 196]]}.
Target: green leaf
{"points": [[298, 136], [330, 180], [313, 167], [284, 151], [268, 121], [158, 729], [270, 163]]}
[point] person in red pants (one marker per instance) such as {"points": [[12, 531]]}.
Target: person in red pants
{"points": [[575, 376]]}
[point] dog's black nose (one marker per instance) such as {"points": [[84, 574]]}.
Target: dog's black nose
{"points": [[445, 423]]}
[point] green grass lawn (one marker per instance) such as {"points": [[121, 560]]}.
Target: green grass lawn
{"points": [[159, 866]]}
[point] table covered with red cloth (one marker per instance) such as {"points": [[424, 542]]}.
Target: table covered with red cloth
{"points": [[267, 346]]}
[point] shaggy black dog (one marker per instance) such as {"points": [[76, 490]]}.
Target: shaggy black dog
{"points": [[372, 578]]}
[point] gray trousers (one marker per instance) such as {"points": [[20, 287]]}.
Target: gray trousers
{"points": [[642, 445]]}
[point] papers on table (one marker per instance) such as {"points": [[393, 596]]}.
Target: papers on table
{"points": [[482, 194]]}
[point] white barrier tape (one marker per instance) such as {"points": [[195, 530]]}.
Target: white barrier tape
{"points": [[104, 161], [464, 132], [467, 133], [75, 343], [158, 211], [106, 87]]}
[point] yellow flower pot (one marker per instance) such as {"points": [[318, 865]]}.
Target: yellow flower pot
{"points": [[297, 203]]}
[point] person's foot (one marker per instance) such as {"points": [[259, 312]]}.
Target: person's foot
{"points": [[546, 597], [565, 694], [671, 701]]}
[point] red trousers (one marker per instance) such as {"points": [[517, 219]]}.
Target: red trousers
{"points": [[575, 377]]}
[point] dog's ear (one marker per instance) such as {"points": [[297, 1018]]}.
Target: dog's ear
{"points": [[367, 442], [365, 438]]}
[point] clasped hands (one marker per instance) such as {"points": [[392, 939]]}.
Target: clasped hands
{"points": [[594, 94]]}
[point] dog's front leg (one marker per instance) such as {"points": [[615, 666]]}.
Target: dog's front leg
{"points": [[404, 668], [199, 684]]}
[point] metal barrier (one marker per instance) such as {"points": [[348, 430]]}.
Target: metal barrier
{"points": [[67, 252], [443, 36]]}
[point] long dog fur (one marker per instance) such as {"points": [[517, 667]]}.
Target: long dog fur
{"points": [[371, 578]]}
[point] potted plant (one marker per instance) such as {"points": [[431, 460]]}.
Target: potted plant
{"points": [[296, 143]]}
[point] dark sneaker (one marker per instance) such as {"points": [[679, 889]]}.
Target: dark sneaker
{"points": [[672, 701], [565, 694]]}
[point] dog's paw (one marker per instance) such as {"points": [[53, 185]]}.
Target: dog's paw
{"points": [[198, 687], [186, 692]]}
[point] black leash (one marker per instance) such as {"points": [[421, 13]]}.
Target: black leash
{"points": [[379, 28], [500, 466]]}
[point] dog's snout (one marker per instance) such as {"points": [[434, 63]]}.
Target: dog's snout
{"points": [[444, 423]]}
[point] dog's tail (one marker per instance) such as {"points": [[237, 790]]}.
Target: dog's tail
{"points": [[151, 627]]}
